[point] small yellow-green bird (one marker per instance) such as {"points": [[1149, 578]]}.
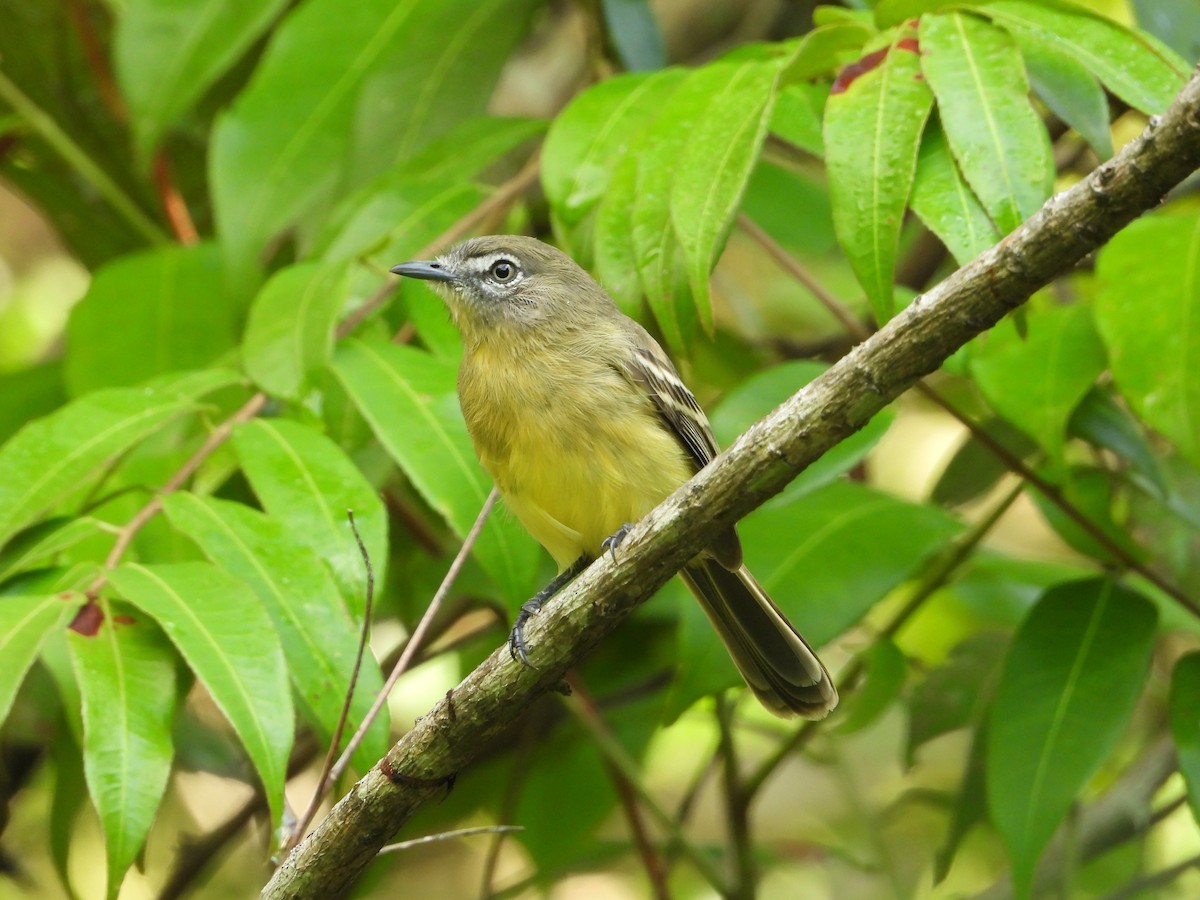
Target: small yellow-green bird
{"points": [[585, 426]]}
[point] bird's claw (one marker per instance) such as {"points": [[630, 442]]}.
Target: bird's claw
{"points": [[613, 541], [517, 648]]}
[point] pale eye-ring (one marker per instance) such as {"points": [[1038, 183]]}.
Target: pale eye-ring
{"points": [[503, 270]]}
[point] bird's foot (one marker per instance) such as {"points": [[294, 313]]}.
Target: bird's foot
{"points": [[613, 541]]}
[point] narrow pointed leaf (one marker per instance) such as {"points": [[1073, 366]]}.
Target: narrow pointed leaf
{"points": [[408, 398], [50, 458], [711, 176], [24, 624], [873, 121], [42, 542], [323, 112], [635, 34], [821, 49], [228, 640], [977, 74], [946, 203], [307, 483], [1149, 319], [1185, 724], [289, 334], [1068, 688], [318, 637], [592, 134], [168, 54], [1135, 67], [126, 674], [1070, 90]]}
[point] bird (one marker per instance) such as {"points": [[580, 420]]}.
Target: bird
{"points": [[585, 426]]}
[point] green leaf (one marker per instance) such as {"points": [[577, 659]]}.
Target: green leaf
{"points": [[957, 693], [40, 543], [616, 264], [1174, 22], [974, 469], [710, 177], [873, 121], [47, 460], [634, 33], [29, 394], [762, 392], [160, 311], [1149, 319], [1036, 382], [809, 555], [596, 129], [821, 49], [978, 77], [342, 93], [945, 203], [408, 398], [391, 213], [308, 484], [796, 117], [126, 673], [1136, 68], [1070, 90], [892, 12], [319, 639], [24, 624], [886, 667], [1069, 685], [1185, 724], [1103, 422], [167, 55], [289, 334], [229, 642]]}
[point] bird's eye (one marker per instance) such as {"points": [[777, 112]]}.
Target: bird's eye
{"points": [[503, 270]]}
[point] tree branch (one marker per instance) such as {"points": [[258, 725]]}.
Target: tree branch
{"points": [[758, 465]]}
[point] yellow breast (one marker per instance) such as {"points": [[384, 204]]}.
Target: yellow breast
{"points": [[576, 450]]}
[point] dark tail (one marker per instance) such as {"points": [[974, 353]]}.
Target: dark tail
{"points": [[777, 663]]}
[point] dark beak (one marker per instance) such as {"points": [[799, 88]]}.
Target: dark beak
{"points": [[426, 270]]}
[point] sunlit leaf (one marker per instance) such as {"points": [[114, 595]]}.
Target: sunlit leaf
{"points": [[711, 175], [164, 310], [946, 203], [1000, 144], [873, 121], [48, 459], [24, 624], [126, 674], [228, 640], [318, 637], [308, 484], [290, 329]]}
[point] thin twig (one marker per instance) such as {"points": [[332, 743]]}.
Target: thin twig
{"points": [[414, 642], [616, 754], [1013, 463], [449, 835], [302, 824], [174, 206], [656, 870], [1136, 887], [737, 806]]}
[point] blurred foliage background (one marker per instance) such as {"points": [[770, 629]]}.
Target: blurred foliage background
{"points": [[1002, 568]]}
